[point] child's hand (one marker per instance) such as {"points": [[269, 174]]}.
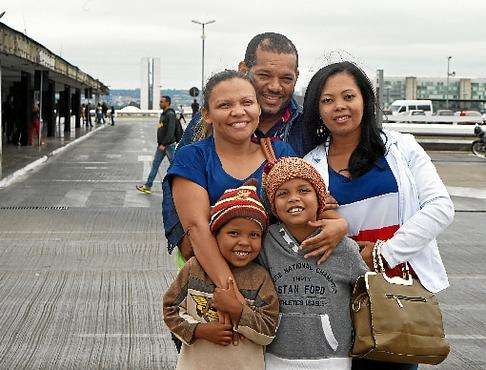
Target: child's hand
{"points": [[226, 300], [215, 332]]}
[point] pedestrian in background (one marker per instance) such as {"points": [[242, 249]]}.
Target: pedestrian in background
{"points": [[35, 126], [99, 115], [81, 113], [112, 115], [104, 110], [181, 115], [166, 142], [87, 114], [194, 107]]}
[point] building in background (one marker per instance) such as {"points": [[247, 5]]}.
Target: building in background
{"points": [[435, 89], [149, 83]]}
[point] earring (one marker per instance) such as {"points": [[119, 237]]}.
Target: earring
{"points": [[322, 129]]}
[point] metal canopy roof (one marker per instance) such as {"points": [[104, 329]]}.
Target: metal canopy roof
{"points": [[20, 52]]}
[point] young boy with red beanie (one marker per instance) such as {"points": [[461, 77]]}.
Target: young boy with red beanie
{"points": [[238, 220]]}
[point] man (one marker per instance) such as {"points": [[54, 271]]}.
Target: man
{"points": [[271, 60], [165, 140], [112, 115], [194, 107], [87, 114]]}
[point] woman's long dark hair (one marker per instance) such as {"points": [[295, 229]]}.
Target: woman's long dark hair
{"points": [[371, 146]]}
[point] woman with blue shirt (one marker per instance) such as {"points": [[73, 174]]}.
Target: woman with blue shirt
{"points": [[202, 171], [386, 185]]}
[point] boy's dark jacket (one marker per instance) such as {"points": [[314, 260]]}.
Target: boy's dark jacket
{"points": [[166, 129]]}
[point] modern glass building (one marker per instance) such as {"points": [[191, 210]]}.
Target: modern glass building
{"points": [[472, 90]]}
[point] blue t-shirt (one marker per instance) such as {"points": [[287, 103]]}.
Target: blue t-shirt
{"points": [[200, 163]]}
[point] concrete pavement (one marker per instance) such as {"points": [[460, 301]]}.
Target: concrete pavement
{"points": [[83, 263]]}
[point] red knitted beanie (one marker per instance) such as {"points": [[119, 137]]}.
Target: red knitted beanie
{"points": [[241, 202]]}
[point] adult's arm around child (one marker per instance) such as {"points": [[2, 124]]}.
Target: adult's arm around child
{"points": [[192, 204], [174, 307]]}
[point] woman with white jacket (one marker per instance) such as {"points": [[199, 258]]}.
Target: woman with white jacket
{"points": [[386, 185]]}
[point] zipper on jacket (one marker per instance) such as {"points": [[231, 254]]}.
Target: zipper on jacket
{"points": [[399, 298]]}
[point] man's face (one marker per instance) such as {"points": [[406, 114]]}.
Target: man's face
{"points": [[164, 104], [274, 76]]}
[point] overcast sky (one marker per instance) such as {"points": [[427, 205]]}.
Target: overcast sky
{"points": [[108, 38]]}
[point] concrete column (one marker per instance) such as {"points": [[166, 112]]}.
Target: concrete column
{"points": [[23, 112], [67, 108], [76, 104], [48, 102], [465, 92]]}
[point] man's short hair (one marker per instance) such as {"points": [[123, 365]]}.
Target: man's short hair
{"points": [[166, 97], [269, 41]]}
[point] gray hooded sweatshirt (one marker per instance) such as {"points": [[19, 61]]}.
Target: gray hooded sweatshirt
{"points": [[314, 300]]}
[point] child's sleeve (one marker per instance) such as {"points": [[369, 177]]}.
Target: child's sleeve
{"points": [[259, 322], [175, 309], [357, 267]]}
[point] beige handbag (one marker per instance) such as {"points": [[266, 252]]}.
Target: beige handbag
{"points": [[396, 319]]}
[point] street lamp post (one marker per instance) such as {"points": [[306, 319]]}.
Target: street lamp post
{"points": [[203, 24], [449, 74]]}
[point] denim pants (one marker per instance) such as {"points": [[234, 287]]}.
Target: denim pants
{"points": [[158, 157]]}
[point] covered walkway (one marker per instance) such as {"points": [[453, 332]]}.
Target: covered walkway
{"points": [[36, 83]]}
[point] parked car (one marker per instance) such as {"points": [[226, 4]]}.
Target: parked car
{"points": [[470, 113], [417, 113], [444, 112]]}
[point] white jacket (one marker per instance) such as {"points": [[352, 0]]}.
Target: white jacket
{"points": [[425, 207]]}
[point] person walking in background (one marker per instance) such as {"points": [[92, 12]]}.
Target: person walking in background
{"points": [[99, 115], [81, 113], [87, 114], [166, 142], [194, 107], [35, 127], [181, 115], [104, 111], [112, 115]]}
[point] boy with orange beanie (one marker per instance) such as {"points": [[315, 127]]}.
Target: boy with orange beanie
{"points": [[315, 330]]}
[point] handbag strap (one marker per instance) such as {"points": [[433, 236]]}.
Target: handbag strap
{"points": [[267, 149], [378, 260]]}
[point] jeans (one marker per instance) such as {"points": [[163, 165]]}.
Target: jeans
{"points": [[158, 157]]}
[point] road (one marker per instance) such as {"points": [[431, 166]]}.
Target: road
{"points": [[83, 263]]}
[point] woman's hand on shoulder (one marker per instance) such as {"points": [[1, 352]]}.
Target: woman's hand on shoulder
{"points": [[333, 230], [331, 203]]}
